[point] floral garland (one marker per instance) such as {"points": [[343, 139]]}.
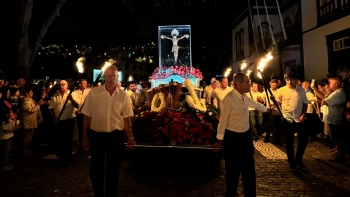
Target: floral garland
{"points": [[183, 71], [192, 99], [162, 105]]}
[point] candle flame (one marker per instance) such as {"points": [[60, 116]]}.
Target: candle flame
{"points": [[130, 78], [227, 72], [79, 64]]}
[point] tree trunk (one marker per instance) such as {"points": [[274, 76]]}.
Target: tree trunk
{"points": [[25, 52], [23, 49]]}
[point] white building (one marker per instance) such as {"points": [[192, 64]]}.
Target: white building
{"points": [[245, 33], [326, 32]]}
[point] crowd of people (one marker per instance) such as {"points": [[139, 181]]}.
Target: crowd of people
{"points": [[49, 113], [29, 112]]}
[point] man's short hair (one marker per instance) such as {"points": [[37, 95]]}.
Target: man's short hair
{"points": [[254, 82], [238, 78], [290, 75], [131, 82], [273, 81], [81, 80], [212, 80], [221, 78]]}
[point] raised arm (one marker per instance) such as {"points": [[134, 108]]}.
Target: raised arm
{"points": [[183, 37], [162, 36]]}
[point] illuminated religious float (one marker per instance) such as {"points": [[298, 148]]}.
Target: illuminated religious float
{"points": [[175, 115]]}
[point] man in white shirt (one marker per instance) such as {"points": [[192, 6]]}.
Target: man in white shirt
{"points": [[334, 104], [107, 113], [65, 124], [311, 117], [255, 116], [220, 93], [208, 90], [294, 105], [236, 141], [82, 93]]}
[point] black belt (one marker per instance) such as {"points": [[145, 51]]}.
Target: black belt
{"points": [[236, 133]]}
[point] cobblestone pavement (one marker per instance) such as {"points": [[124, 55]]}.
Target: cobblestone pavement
{"points": [[185, 173]]}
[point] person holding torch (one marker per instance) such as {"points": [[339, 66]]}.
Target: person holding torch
{"points": [[107, 113]]}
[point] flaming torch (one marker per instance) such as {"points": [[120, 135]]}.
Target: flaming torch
{"points": [[80, 67], [108, 63], [227, 72], [262, 64]]}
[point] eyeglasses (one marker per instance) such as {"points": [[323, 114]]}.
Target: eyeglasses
{"points": [[110, 76]]}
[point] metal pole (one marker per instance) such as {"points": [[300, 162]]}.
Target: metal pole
{"points": [[268, 20], [282, 25], [262, 36], [253, 27]]}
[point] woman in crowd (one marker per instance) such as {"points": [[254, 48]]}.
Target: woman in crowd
{"points": [[30, 113]]}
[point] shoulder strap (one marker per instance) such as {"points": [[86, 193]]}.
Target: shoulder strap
{"points": [[251, 96]]}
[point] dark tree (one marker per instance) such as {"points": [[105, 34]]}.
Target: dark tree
{"points": [[34, 20]]}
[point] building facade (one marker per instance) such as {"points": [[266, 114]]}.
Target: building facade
{"points": [[252, 37], [326, 32]]}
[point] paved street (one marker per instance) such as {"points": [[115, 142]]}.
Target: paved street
{"points": [[185, 173]]}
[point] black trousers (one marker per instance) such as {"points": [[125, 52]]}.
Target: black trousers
{"points": [[238, 150], [106, 157], [303, 137], [64, 139], [80, 118]]}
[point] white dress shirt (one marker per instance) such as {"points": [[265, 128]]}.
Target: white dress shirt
{"points": [[235, 114], [310, 97], [58, 101], [107, 111], [82, 96], [253, 95], [219, 94], [292, 101]]}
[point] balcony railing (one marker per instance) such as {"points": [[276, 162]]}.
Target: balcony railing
{"points": [[331, 10]]}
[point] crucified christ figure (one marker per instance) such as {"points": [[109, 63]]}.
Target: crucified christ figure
{"points": [[174, 39]]}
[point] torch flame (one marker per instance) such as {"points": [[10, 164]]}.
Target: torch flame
{"points": [[80, 64], [227, 72], [243, 65], [248, 72], [105, 66], [264, 61]]}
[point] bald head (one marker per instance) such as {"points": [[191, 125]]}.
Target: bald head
{"points": [[334, 84], [305, 85], [63, 86]]}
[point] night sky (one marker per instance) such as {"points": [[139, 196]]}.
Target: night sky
{"points": [[135, 22]]}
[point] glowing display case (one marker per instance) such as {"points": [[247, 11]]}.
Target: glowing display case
{"points": [[175, 56]]}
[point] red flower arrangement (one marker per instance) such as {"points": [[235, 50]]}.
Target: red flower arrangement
{"points": [[183, 71]]}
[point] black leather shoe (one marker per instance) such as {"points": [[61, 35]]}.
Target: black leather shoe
{"points": [[292, 168], [300, 164]]}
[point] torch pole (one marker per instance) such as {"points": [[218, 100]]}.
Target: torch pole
{"points": [[71, 89], [268, 89], [98, 78]]}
